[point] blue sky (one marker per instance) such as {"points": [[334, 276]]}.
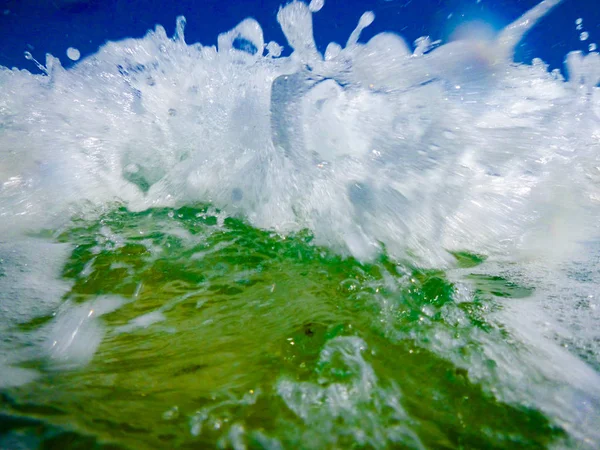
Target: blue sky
{"points": [[42, 26]]}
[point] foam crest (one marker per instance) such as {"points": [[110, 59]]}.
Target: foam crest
{"points": [[367, 146], [295, 20], [584, 70], [365, 20], [248, 33], [511, 35]]}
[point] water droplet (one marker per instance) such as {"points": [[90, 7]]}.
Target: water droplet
{"points": [[579, 21], [316, 5], [180, 23], [579, 27], [73, 54], [366, 19], [584, 36], [592, 47]]}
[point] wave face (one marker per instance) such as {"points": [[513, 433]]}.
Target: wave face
{"points": [[374, 148]]}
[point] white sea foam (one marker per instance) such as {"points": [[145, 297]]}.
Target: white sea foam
{"points": [[30, 287], [351, 401], [143, 321], [455, 148], [75, 334]]}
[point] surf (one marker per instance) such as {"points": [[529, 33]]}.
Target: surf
{"points": [[417, 153]]}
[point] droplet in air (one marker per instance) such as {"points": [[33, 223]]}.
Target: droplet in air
{"points": [[592, 47], [579, 21], [584, 36], [179, 29], [316, 5], [365, 20], [30, 57], [73, 54]]}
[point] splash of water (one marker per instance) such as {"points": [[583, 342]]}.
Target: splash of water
{"points": [[370, 146]]}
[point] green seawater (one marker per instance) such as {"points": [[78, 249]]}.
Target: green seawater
{"points": [[266, 341]]}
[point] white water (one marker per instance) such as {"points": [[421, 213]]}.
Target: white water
{"points": [[455, 148], [370, 145]]}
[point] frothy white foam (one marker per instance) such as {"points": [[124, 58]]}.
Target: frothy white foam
{"points": [[76, 332], [344, 405], [143, 321], [455, 148], [30, 288]]}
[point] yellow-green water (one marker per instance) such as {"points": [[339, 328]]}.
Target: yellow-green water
{"points": [[261, 341]]}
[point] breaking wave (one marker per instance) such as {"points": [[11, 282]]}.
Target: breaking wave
{"points": [[379, 147]]}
